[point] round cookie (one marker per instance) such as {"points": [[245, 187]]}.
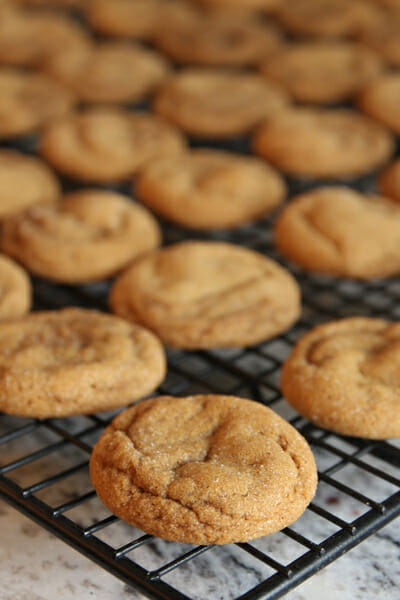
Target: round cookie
{"points": [[381, 100], [344, 376], [107, 144], [28, 101], [15, 290], [108, 71], [323, 71], [207, 189], [338, 230], [323, 143], [325, 18], [88, 236], [207, 295], [138, 18], [205, 102], [24, 180], [203, 469], [28, 37], [218, 39], [75, 361], [389, 181]]}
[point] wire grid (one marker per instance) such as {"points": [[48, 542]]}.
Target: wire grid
{"points": [[44, 470]]}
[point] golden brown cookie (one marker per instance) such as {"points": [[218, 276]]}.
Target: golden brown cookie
{"points": [[75, 361], [381, 100], [389, 181], [322, 71], [27, 37], [203, 469], [207, 295], [325, 18], [28, 101], [338, 230], [15, 290], [218, 39], [210, 189], [382, 36], [344, 376], [107, 144], [108, 71], [313, 142], [136, 18], [242, 5], [76, 4], [216, 103], [24, 180], [88, 236]]}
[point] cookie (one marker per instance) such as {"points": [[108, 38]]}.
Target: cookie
{"points": [[203, 469], [24, 181], [382, 36], [75, 361], [389, 181], [242, 5], [27, 37], [216, 103], [107, 144], [15, 290], [88, 236], [323, 71], [136, 19], [28, 101], [108, 72], [340, 231], [221, 39], [73, 4], [325, 18], [381, 100], [207, 295], [344, 377], [207, 189], [323, 143]]}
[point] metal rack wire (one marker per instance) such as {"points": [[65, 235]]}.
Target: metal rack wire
{"points": [[44, 472]]}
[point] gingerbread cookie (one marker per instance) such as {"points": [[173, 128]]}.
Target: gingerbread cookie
{"points": [[28, 101], [75, 361], [15, 290], [203, 469], [311, 142], [324, 71], [389, 181], [221, 39], [338, 230], [325, 18], [24, 180], [28, 37], [210, 189], [381, 100], [107, 144], [205, 102], [207, 295], [108, 72], [90, 235], [344, 376]]}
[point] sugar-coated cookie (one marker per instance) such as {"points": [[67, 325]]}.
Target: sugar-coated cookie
{"points": [[90, 235], [75, 361], [207, 294], [344, 376], [208, 189], [203, 469]]}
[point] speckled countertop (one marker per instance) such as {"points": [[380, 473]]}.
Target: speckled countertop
{"points": [[34, 565]]}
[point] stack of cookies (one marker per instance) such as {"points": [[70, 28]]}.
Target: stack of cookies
{"points": [[134, 122]]}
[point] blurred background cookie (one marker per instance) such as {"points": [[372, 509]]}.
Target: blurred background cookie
{"points": [[381, 100], [15, 290]]}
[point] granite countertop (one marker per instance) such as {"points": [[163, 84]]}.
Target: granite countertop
{"points": [[35, 565]]}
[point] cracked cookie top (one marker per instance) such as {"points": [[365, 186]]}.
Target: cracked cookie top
{"points": [[338, 230], [344, 376], [207, 294], [203, 469]]}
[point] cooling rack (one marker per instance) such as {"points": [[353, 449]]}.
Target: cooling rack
{"points": [[44, 464]]}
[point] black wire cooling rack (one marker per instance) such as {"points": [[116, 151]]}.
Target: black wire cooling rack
{"points": [[44, 464]]}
